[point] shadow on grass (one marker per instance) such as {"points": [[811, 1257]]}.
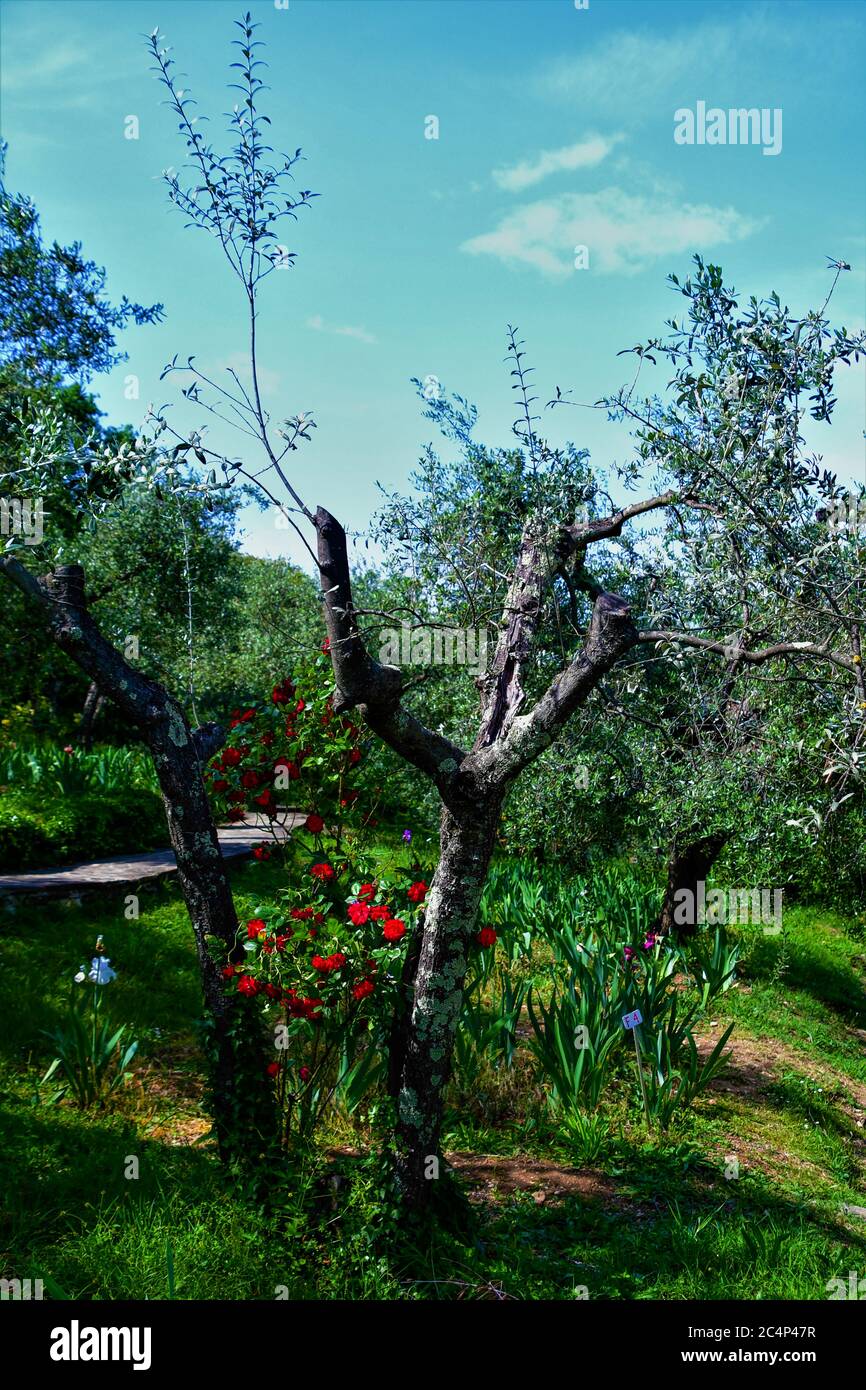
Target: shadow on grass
{"points": [[157, 988], [670, 1231], [816, 962], [57, 1167]]}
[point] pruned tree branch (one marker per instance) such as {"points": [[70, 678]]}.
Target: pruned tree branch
{"points": [[364, 683], [611, 634], [502, 685]]}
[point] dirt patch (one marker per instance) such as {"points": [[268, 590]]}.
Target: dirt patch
{"points": [[754, 1064], [182, 1131], [491, 1176], [170, 1096]]}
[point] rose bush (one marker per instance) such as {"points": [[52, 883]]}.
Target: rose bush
{"points": [[323, 961], [291, 752], [324, 966]]}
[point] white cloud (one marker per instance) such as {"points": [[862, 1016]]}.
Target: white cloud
{"points": [[58, 62], [632, 73], [47, 68], [586, 154], [611, 72], [624, 232], [346, 331]]}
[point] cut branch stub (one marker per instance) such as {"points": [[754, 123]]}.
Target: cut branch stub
{"points": [[359, 679], [363, 682]]}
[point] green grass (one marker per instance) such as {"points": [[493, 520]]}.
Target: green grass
{"points": [[807, 986], [654, 1219]]}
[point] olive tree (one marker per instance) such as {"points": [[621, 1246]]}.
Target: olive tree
{"points": [[718, 467]]}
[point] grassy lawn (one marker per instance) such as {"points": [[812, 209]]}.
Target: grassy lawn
{"points": [[743, 1198]]}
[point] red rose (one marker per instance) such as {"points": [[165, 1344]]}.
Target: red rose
{"points": [[325, 964], [272, 1069], [250, 779], [254, 926], [359, 913], [301, 914], [220, 784], [367, 890], [304, 1073], [381, 912], [486, 937], [362, 989], [247, 985], [228, 971], [261, 852], [314, 824], [266, 739], [326, 645], [417, 893], [355, 756], [237, 813], [299, 706], [231, 757], [282, 693], [322, 872], [394, 930]]}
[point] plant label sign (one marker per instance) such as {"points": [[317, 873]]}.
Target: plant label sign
{"points": [[632, 1020]]}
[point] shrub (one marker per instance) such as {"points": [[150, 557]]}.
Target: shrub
{"points": [[38, 831], [323, 963]]}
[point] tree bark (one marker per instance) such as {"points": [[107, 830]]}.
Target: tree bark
{"points": [[687, 867], [466, 846], [93, 702], [244, 1115]]}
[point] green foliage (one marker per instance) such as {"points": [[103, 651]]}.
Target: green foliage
{"points": [[648, 1224], [55, 319], [42, 766], [39, 830], [599, 960]]}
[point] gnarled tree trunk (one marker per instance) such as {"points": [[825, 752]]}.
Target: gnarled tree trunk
{"points": [[472, 787], [688, 866], [244, 1115], [466, 846]]}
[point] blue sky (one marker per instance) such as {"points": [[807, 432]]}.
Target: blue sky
{"points": [[555, 129]]}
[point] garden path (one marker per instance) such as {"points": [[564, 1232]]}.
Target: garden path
{"points": [[235, 841]]}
